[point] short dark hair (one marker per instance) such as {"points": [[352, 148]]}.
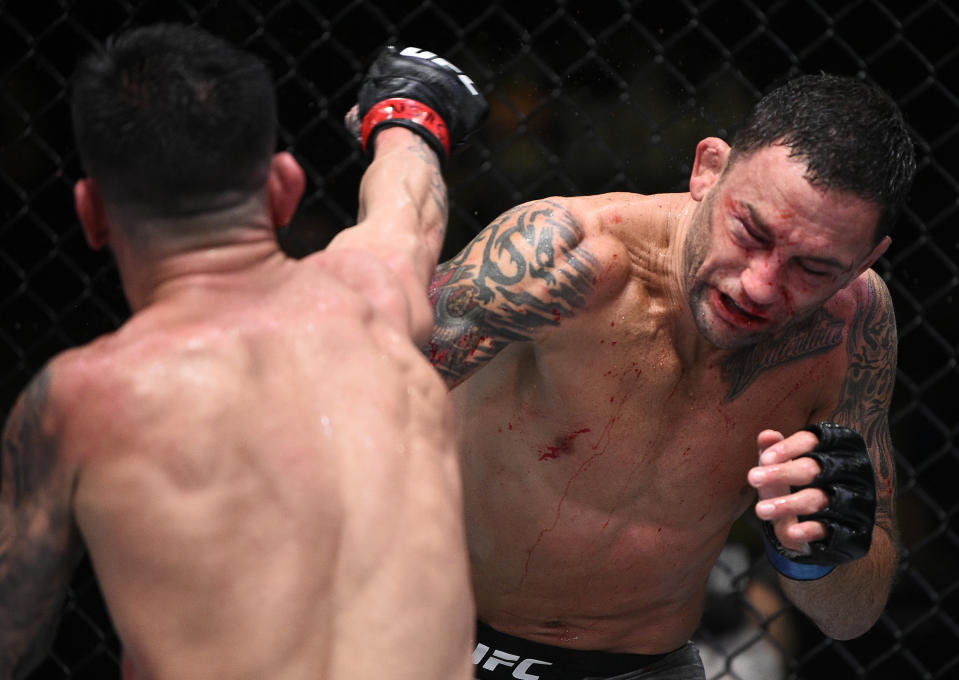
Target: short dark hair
{"points": [[849, 132], [171, 120]]}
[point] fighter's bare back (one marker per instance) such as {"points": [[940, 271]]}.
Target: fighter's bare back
{"points": [[604, 464], [269, 456]]}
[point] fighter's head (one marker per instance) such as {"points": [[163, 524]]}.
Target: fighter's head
{"points": [[848, 133], [172, 119], [795, 210], [172, 122]]}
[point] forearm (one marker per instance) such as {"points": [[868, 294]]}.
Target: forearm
{"points": [[827, 492], [412, 109], [403, 200], [847, 602]]}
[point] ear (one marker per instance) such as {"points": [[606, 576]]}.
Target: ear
{"points": [[712, 154], [92, 212], [874, 255], [286, 184]]}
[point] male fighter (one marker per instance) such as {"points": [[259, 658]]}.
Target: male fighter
{"points": [[651, 361], [215, 454]]}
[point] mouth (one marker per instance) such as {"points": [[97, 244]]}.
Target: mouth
{"points": [[736, 315]]}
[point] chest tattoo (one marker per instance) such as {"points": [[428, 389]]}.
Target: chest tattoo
{"points": [[821, 334]]}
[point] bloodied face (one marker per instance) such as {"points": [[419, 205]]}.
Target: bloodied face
{"points": [[766, 248]]}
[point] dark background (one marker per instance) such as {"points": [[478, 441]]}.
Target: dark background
{"points": [[587, 97]]}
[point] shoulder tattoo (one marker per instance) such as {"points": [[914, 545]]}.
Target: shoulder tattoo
{"points": [[526, 271], [28, 454], [822, 333]]}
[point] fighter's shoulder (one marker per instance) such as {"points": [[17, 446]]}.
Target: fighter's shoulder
{"points": [[598, 213], [597, 223], [346, 280], [864, 300], [93, 380], [36, 416], [57, 381], [65, 379], [345, 258]]}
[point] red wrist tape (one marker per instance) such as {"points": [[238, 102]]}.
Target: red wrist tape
{"points": [[407, 109]]}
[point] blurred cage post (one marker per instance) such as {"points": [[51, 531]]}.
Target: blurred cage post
{"points": [[586, 97]]}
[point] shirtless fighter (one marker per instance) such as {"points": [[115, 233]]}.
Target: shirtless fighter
{"points": [[650, 362], [216, 454]]}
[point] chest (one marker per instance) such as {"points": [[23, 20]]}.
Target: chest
{"points": [[618, 423]]}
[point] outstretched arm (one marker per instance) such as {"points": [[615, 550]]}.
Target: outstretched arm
{"points": [[38, 542], [402, 215], [529, 270], [846, 601], [413, 108]]}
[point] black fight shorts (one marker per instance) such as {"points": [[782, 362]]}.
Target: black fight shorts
{"points": [[499, 656]]}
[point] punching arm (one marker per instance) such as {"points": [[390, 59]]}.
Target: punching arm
{"points": [[412, 108]]}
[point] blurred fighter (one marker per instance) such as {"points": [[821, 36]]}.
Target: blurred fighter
{"points": [[259, 460], [653, 361]]}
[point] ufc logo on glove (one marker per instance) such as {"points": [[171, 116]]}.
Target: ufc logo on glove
{"points": [[440, 61]]}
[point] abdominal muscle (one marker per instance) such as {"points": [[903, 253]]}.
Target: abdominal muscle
{"points": [[595, 582], [597, 537]]}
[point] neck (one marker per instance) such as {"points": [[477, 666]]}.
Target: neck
{"points": [[160, 258]]}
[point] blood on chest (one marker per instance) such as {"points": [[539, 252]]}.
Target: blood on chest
{"points": [[617, 461]]}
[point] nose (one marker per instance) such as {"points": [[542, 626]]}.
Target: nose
{"points": [[761, 279]]}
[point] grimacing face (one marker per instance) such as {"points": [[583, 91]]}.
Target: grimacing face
{"points": [[766, 248]]}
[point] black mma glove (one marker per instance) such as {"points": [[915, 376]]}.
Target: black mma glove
{"points": [[423, 92], [846, 476]]}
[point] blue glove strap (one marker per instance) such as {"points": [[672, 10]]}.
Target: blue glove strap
{"points": [[794, 570]]}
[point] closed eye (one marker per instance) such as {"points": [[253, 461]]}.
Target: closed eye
{"points": [[813, 270], [747, 236]]}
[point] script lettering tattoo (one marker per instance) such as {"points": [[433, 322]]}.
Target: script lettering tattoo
{"points": [[36, 532], [820, 334], [866, 392], [525, 271]]}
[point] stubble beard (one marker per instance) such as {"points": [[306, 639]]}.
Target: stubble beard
{"points": [[695, 250], [698, 290]]}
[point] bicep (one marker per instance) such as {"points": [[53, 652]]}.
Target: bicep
{"points": [[866, 392], [516, 281], [38, 541]]}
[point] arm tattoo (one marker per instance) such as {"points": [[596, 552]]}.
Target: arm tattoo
{"points": [[525, 272], [25, 465], [866, 392], [37, 537], [820, 334], [437, 185]]}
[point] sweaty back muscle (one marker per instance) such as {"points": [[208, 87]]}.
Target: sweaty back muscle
{"points": [[234, 496]]}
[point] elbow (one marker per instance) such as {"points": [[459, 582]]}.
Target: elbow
{"points": [[845, 633], [850, 623], [848, 629]]}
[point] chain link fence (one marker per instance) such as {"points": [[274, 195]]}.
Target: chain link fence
{"points": [[587, 97]]}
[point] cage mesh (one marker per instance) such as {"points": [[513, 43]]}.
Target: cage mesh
{"points": [[586, 97]]}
